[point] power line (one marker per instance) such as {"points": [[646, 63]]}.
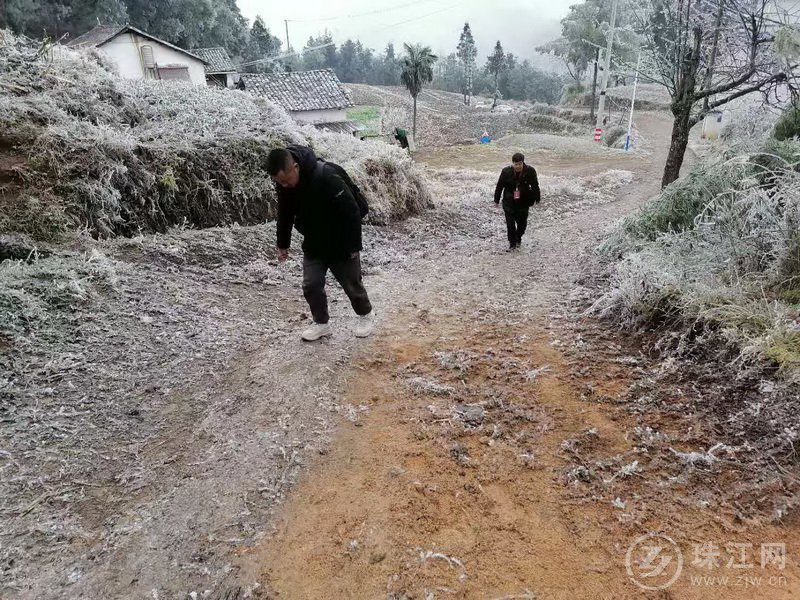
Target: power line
{"points": [[292, 53], [285, 55], [372, 12], [430, 14], [357, 15]]}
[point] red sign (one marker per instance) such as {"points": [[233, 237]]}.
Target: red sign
{"points": [[598, 134]]}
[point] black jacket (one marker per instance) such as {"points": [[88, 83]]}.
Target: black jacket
{"points": [[322, 208], [528, 184]]}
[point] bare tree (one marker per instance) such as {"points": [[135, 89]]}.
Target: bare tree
{"points": [[707, 53], [584, 31]]}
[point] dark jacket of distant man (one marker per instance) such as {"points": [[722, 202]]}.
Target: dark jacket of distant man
{"points": [[518, 186], [527, 182]]}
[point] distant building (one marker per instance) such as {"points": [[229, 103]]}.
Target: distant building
{"points": [[220, 70], [313, 97], [713, 125], [139, 55]]}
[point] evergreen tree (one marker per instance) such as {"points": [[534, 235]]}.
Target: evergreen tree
{"points": [[466, 52], [262, 44]]}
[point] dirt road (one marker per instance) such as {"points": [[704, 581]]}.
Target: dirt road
{"points": [[447, 456], [453, 482]]}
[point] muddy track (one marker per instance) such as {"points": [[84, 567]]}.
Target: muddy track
{"points": [[465, 493], [435, 459], [455, 480]]}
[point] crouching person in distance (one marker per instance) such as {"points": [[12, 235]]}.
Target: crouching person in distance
{"points": [[314, 199]]}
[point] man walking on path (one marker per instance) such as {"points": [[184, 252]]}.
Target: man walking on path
{"points": [[316, 200], [519, 187]]}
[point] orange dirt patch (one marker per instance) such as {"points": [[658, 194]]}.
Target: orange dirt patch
{"points": [[419, 501]]}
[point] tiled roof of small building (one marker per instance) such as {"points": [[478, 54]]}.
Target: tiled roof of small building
{"points": [[299, 90], [96, 36], [217, 59], [348, 127]]}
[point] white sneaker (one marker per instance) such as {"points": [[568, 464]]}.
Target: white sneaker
{"points": [[317, 331], [365, 325]]}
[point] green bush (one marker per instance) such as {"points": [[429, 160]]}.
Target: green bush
{"points": [[678, 205], [788, 126], [613, 135], [718, 249], [777, 157], [571, 92], [791, 296], [544, 123]]}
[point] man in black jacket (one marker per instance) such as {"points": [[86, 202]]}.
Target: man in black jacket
{"points": [[313, 199], [519, 187]]}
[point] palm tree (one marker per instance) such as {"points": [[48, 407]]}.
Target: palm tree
{"points": [[417, 65]]}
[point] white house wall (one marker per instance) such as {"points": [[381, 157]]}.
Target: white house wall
{"points": [[320, 116], [714, 124], [125, 51]]}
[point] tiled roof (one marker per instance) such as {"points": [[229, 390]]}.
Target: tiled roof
{"points": [[101, 34], [348, 127], [96, 36], [217, 59], [299, 90]]}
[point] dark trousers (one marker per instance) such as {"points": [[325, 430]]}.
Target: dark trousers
{"points": [[347, 273], [516, 223]]}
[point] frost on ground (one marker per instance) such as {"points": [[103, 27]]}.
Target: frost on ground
{"points": [[84, 149], [705, 277], [156, 404], [565, 146], [560, 195], [444, 120]]}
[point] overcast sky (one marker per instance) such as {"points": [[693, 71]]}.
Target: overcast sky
{"points": [[520, 25]]}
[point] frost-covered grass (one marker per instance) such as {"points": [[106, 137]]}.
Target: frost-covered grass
{"points": [[719, 252], [559, 145], [649, 96], [444, 120], [117, 157], [31, 293], [546, 123]]}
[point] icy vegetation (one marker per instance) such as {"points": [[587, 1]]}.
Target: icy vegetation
{"points": [[717, 255], [82, 149]]}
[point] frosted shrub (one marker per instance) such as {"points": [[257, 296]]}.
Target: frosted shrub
{"points": [[721, 248], [121, 157]]}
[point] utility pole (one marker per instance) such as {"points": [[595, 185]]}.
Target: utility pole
{"points": [[286, 23], [598, 132], [594, 83], [633, 101]]}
